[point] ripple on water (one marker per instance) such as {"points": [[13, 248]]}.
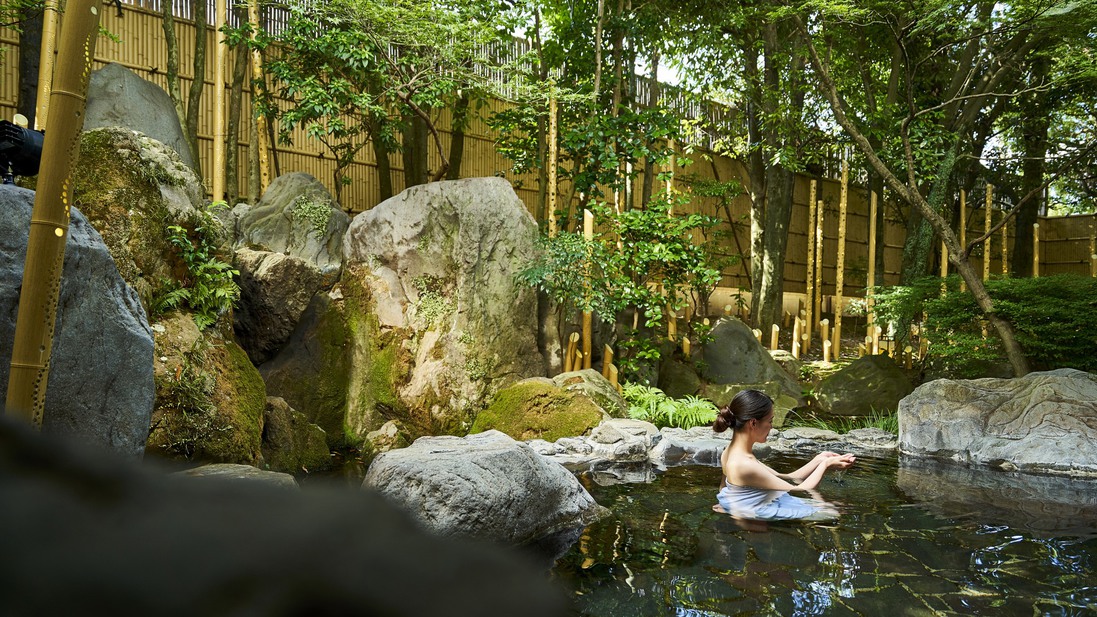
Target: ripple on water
{"points": [[909, 537]]}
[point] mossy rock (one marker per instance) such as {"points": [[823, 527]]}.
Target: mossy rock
{"points": [[591, 384], [291, 443], [534, 409], [209, 397]]}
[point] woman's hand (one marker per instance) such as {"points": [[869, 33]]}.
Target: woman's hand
{"points": [[839, 461]]}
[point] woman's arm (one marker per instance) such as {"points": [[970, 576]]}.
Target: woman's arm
{"points": [[806, 470], [775, 482]]}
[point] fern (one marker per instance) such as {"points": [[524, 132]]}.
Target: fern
{"points": [[652, 405], [209, 287]]}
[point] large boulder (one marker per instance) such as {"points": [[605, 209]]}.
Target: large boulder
{"points": [[487, 487], [209, 397], [679, 379], [118, 97], [721, 394], [538, 409], [312, 371], [127, 540], [291, 443], [1042, 422], [438, 318], [100, 387], [132, 188], [275, 290], [870, 384], [297, 216], [734, 356]]}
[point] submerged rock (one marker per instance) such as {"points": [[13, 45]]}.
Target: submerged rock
{"points": [[488, 487], [236, 473], [100, 387], [1042, 422]]}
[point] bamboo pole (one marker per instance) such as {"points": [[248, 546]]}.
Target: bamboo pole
{"points": [[908, 353], [818, 259], [613, 377], [51, 18], [1035, 250], [49, 223], [809, 276], [607, 360], [569, 354], [826, 350], [870, 317], [840, 275], [775, 332], [876, 332], [757, 335], [824, 329], [588, 235], [686, 347], [552, 164], [217, 181], [1093, 246], [986, 228], [796, 349], [963, 230], [670, 176], [797, 328], [1005, 245], [262, 140]]}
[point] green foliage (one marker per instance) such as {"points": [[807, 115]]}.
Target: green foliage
{"points": [[208, 287], [622, 269], [1054, 319], [186, 398], [316, 213], [652, 405], [886, 421]]}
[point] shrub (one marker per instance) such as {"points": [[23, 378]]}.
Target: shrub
{"points": [[652, 405], [1054, 318]]}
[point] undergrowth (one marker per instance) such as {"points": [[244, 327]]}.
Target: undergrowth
{"points": [[652, 405]]}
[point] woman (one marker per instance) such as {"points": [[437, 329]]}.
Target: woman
{"points": [[750, 488]]}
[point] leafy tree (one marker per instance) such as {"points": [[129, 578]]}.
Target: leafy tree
{"points": [[359, 70]]}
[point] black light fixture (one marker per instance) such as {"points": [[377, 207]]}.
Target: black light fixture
{"points": [[20, 150]]}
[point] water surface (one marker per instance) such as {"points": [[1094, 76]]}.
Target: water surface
{"points": [[912, 540]]}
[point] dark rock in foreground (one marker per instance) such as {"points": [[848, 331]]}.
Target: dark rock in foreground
{"points": [[119, 540]]}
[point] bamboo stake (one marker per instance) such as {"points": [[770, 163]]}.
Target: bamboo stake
{"points": [[866, 347], [1093, 265], [869, 314], [774, 333], [1035, 250], [672, 319], [607, 360], [824, 330], [217, 182], [670, 176], [963, 230], [588, 235], [613, 377], [796, 349], [262, 140], [569, 354], [986, 227], [49, 223], [757, 335], [727, 310], [51, 18], [826, 350], [552, 164], [944, 267], [1005, 245], [797, 326], [818, 259], [876, 332], [809, 276], [840, 275], [686, 346]]}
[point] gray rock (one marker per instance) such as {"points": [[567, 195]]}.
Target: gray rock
{"points": [[734, 356], [241, 473], [870, 384], [597, 388], [486, 486], [276, 225], [439, 316], [721, 395], [119, 97], [100, 388], [678, 379], [388, 437], [275, 290], [1042, 422], [700, 446], [291, 444], [126, 540]]}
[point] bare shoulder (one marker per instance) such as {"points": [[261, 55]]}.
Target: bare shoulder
{"points": [[745, 470]]}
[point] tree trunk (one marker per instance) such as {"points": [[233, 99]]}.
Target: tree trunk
{"points": [[415, 150], [757, 172], [653, 101], [1035, 122], [172, 74], [194, 98], [381, 152], [457, 136], [778, 214], [236, 103], [30, 48], [917, 248]]}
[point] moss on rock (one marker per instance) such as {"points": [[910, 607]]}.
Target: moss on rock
{"points": [[539, 410]]}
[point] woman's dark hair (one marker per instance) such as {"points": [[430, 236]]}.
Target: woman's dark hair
{"points": [[746, 406]]}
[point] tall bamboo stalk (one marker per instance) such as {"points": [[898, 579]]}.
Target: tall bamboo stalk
{"points": [[51, 16], [217, 173], [49, 223], [840, 275], [870, 317], [261, 141], [1035, 250], [552, 164], [809, 275], [986, 228], [818, 259], [588, 235]]}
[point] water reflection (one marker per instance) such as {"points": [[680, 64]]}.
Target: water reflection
{"points": [[895, 551]]}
